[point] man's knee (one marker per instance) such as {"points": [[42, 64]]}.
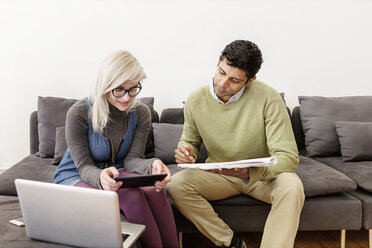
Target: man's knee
{"points": [[290, 186], [185, 182], [179, 183]]}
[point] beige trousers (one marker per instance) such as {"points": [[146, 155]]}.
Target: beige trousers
{"points": [[190, 190]]}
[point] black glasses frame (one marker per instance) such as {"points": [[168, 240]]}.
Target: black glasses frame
{"points": [[127, 91]]}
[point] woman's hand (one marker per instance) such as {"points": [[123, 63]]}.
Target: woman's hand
{"points": [[106, 179], [158, 167]]}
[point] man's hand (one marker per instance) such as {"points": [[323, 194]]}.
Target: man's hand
{"points": [[158, 167], [106, 179], [184, 154], [242, 173]]}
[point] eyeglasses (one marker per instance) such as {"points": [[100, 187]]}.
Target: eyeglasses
{"points": [[132, 92]]}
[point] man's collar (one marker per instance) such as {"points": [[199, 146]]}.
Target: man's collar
{"points": [[234, 98]]}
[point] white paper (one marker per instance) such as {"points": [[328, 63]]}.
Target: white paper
{"points": [[256, 162]]}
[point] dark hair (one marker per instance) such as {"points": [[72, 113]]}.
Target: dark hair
{"points": [[244, 55]]}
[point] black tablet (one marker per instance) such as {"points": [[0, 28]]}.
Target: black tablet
{"points": [[140, 181]]}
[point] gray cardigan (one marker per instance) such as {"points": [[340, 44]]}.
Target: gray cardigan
{"points": [[76, 129]]}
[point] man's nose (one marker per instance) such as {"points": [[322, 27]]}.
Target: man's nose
{"points": [[224, 82]]}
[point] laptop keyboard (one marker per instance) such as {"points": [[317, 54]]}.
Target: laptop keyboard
{"points": [[125, 236]]}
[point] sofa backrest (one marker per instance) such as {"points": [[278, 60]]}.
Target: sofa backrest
{"points": [[297, 129], [172, 116]]}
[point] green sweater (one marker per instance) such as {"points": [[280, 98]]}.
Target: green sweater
{"points": [[255, 126]]}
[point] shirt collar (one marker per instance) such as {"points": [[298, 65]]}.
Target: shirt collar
{"points": [[234, 98]]}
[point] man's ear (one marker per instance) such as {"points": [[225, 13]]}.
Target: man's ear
{"points": [[250, 81]]}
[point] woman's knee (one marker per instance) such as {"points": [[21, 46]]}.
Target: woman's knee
{"points": [[131, 195], [152, 195]]}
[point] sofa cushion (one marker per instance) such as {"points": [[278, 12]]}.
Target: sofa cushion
{"points": [[318, 115], [172, 116], [149, 102], [319, 179], [52, 113], [31, 167], [355, 139], [61, 145], [166, 138], [359, 172]]}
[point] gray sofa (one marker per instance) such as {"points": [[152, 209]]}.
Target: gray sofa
{"points": [[338, 193]]}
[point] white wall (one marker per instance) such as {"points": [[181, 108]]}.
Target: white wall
{"points": [[55, 47]]}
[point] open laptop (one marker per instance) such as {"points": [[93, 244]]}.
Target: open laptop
{"points": [[74, 216]]}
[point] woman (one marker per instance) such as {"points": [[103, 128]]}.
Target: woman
{"points": [[106, 137]]}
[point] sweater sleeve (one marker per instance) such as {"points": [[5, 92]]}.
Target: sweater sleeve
{"points": [[77, 141], [135, 160], [190, 133], [280, 140]]}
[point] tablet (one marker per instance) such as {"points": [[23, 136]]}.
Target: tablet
{"points": [[140, 181]]}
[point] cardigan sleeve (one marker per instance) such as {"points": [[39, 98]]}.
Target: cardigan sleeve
{"points": [[77, 141], [135, 160]]}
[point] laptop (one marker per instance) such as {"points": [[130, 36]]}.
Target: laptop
{"points": [[74, 216]]}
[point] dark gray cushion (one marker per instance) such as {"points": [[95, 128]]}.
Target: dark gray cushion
{"points": [[31, 167], [172, 115], [359, 172], [149, 102], [355, 139], [319, 179], [61, 145], [318, 115], [166, 138], [51, 114]]}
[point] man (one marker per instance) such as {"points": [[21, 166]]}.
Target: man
{"points": [[238, 117]]}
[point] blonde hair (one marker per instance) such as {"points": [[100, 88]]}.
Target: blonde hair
{"points": [[117, 68]]}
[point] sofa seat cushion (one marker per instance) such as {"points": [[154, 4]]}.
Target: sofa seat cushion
{"points": [[331, 212], [31, 167], [366, 199], [359, 172], [320, 179]]}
